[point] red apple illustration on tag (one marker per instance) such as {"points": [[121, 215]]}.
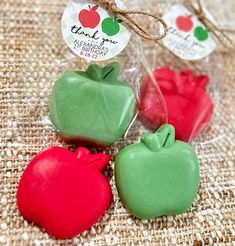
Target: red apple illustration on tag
{"points": [[64, 192], [89, 18], [111, 27], [184, 23]]}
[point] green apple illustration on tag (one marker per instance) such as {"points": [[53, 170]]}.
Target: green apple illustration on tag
{"points": [[157, 176], [201, 33], [111, 27]]}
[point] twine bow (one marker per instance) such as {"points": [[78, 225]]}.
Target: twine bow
{"points": [[219, 34], [125, 16]]}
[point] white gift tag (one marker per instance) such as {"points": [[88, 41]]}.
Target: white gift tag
{"points": [[91, 33], [187, 38]]}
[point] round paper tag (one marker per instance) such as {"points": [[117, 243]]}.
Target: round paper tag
{"points": [[188, 38], [91, 33]]}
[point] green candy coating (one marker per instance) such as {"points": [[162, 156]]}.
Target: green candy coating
{"points": [[92, 106], [157, 176]]}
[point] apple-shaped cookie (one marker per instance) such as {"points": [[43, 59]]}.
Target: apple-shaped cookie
{"points": [[158, 176], [64, 192], [92, 106], [189, 108]]}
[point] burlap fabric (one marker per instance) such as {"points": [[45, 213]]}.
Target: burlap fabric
{"points": [[32, 55]]}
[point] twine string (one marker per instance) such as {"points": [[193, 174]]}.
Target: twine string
{"points": [[127, 17], [219, 33]]}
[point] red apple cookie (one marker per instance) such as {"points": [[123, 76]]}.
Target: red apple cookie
{"points": [[64, 192], [189, 108]]}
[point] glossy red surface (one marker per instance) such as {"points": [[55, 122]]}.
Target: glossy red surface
{"points": [[64, 192], [189, 108]]}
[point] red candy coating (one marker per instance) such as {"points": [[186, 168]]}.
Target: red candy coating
{"points": [[189, 108], [64, 192]]}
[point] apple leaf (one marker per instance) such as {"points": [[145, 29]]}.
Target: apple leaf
{"points": [[167, 135], [151, 141], [119, 21], [99, 161], [94, 8], [94, 71]]}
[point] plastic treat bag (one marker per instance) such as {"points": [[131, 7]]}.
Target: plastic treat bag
{"points": [[96, 101], [137, 61], [190, 88], [188, 105], [87, 102]]}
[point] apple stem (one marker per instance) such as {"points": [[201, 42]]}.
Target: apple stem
{"points": [[164, 137], [96, 161], [111, 71], [82, 153], [89, 7], [167, 135]]}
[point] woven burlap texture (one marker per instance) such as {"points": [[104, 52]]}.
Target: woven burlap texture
{"points": [[32, 55]]}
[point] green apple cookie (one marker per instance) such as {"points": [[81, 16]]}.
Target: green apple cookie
{"points": [[157, 176], [92, 106]]}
